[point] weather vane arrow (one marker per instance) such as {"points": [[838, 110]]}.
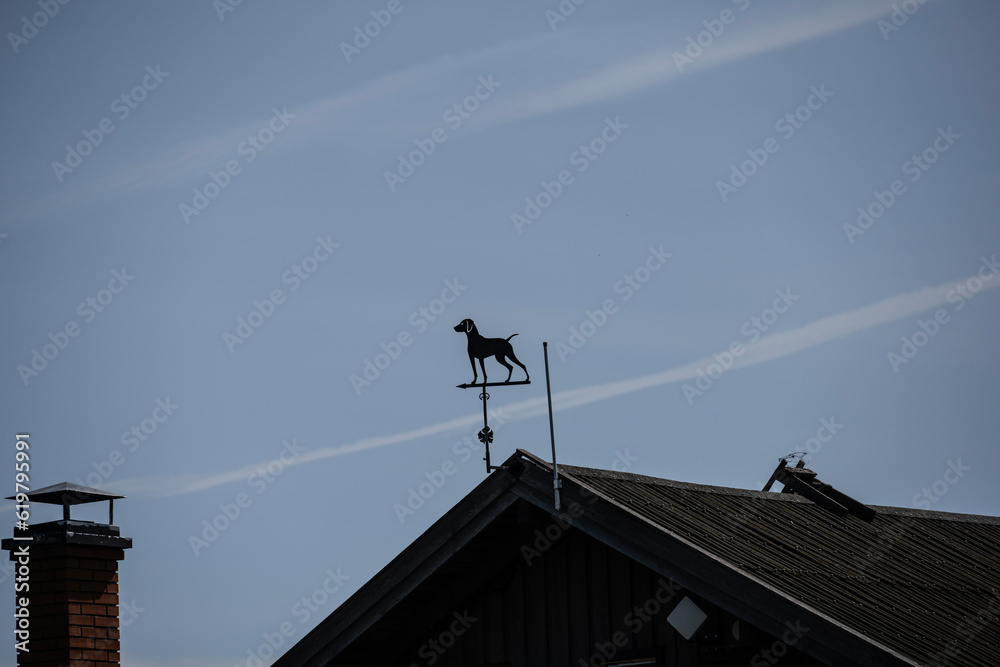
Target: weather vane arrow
{"points": [[480, 348]]}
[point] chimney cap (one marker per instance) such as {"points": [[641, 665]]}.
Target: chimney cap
{"points": [[67, 493]]}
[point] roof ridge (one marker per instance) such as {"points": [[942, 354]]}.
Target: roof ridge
{"points": [[581, 471]]}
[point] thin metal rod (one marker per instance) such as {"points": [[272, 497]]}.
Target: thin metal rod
{"points": [[556, 484]]}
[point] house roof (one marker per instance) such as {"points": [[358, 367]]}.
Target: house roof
{"points": [[910, 587], [923, 584]]}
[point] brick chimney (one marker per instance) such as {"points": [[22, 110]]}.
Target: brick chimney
{"points": [[71, 571]]}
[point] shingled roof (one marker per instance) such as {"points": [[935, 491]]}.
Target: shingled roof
{"points": [[924, 584], [909, 587]]}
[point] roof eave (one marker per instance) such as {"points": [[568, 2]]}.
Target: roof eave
{"points": [[405, 572]]}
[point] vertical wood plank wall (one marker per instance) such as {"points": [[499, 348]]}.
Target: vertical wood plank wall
{"points": [[571, 600]]}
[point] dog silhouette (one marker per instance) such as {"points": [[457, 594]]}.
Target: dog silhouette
{"points": [[480, 348]]}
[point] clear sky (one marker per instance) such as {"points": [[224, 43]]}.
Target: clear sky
{"points": [[235, 240]]}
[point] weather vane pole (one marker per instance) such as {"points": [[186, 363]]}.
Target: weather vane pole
{"points": [[501, 350]]}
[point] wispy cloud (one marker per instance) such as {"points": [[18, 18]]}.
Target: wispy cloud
{"points": [[554, 72], [655, 67], [765, 349]]}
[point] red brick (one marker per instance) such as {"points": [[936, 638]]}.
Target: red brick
{"points": [[77, 619], [91, 564], [99, 633], [94, 655], [107, 644]]}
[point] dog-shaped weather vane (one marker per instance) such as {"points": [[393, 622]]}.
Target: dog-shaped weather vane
{"points": [[480, 348]]}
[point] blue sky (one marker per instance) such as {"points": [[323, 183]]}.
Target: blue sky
{"points": [[211, 220]]}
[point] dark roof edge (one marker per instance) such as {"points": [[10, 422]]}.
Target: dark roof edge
{"points": [[403, 573], [578, 471]]}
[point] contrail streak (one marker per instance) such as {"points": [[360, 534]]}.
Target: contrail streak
{"points": [[766, 348]]}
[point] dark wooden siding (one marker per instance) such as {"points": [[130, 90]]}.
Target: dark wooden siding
{"points": [[570, 601]]}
